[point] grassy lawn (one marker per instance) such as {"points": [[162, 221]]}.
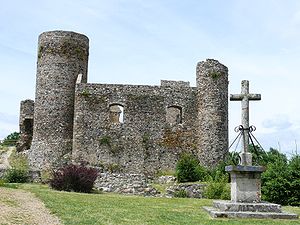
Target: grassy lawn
{"points": [[77, 208]]}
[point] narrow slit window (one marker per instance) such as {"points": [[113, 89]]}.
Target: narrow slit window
{"points": [[174, 115], [116, 113]]}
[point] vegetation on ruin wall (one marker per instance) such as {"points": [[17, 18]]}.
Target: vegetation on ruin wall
{"points": [[113, 145], [79, 208], [177, 139], [215, 74]]}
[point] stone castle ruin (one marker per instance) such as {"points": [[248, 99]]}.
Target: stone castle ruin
{"points": [[135, 128]]}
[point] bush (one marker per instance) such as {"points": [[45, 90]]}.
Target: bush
{"points": [[74, 178], [46, 175], [281, 180], [16, 176], [189, 170], [181, 194], [19, 172], [218, 189], [218, 173]]}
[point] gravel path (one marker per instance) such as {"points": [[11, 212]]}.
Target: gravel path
{"points": [[21, 207]]}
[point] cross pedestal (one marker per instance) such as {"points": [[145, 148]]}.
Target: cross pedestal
{"points": [[245, 178], [245, 183]]}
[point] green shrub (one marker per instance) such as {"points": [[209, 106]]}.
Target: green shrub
{"points": [[19, 171], [188, 169], [181, 194], [294, 169], [74, 178], [18, 161], [218, 189], [16, 176], [281, 180], [218, 173], [46, 175]]}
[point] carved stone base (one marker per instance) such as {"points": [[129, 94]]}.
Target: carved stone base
{"points": [[245, 183]]}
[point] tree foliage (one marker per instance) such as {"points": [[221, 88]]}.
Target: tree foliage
{"points": [[11, 139], [281, 180]]}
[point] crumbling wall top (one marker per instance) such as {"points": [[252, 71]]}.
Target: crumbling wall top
{"points": [[172, 83]]}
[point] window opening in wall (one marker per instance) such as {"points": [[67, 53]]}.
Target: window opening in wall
{"points": [[28, 125], [116, 113], [174, 115]]}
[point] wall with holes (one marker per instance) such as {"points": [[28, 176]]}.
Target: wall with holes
{"points": [[134, 128]]}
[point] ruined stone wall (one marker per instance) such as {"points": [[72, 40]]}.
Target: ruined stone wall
{"points": [[129, 128], [145, 142], [212, 95], [25, 124], [61, 57]]}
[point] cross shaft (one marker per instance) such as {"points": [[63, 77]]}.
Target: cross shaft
{"points": [[245, 97]]}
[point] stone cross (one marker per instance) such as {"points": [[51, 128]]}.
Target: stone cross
{"points": [[245, 97]]}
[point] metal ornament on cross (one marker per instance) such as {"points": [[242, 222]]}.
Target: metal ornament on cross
{"points": [[245, 97]]}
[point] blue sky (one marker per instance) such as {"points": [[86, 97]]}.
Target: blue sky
{"points": [[141, 42]]}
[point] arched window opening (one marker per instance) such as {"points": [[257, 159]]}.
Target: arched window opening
{"points": [[174, 115], [116, 113]]}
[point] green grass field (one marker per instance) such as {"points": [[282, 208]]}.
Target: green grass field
{"points": [[78, 208]]}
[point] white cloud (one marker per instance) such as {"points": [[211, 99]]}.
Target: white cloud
{"points": [[136, 41], [279, 122]]}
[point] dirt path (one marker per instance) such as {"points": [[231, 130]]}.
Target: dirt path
{"points": [[20, 207], [4, 163]]}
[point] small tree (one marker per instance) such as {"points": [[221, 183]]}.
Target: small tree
{"points": [[294, 169]]}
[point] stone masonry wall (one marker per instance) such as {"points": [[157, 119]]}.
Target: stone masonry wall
{"points": [[25, 124], [124, 128], [145, 142], [62, 56], [212, 94]]}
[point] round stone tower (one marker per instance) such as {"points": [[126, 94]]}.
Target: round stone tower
{"points": [[212, 96], [62, 56]]}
